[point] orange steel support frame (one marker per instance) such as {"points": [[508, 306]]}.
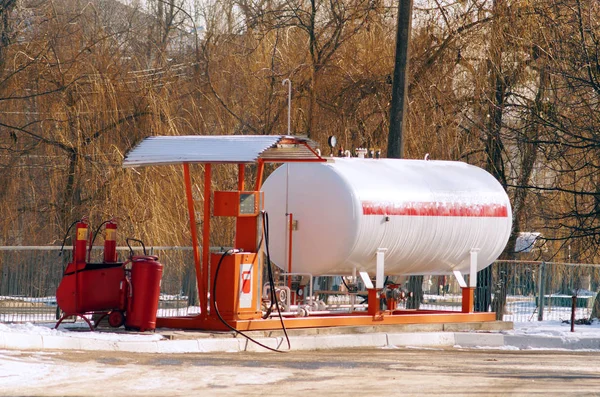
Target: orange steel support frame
{"points": [[260, 169], [332, 320], [206, 241], [192, 214], [248, 227], [241, 176], [290, 251], [468, 299]]}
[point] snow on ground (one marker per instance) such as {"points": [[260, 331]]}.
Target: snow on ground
{"points": [[555, 328], [77, 330]]}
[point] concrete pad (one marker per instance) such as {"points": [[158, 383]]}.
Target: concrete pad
{"points": [[552, 342], [248, 346], [421, 339], [23, 341], [219, 345], [138, 347], [418, 335], [179, 334], [338, 341], [61, 342], [582, 343], [178, 346], [96, 344], [473, 339], [479, 326]]}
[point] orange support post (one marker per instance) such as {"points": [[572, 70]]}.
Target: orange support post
{"points": [[392, 304], [374, 299], [291, 226], [206, 240], [192, 214], [259, 174], [468, 298], [241, 176]]}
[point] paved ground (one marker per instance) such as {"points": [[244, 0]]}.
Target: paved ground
{"points": [[348, 372]]}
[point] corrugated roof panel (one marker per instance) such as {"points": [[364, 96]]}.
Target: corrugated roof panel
{"points": [[160, 150], [286, 152]]}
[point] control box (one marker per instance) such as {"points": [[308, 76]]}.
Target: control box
{"points": [[237, 204]]}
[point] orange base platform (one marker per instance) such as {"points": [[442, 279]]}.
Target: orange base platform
{"points": [[332, 320]]}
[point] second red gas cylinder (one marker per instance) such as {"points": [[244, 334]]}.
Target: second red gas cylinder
{"points": [[146, 273]]}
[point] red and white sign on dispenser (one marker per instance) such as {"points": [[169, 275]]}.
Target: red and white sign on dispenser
{"points": [[245, 301]]}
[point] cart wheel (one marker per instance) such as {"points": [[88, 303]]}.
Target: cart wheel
{"points": [[116, 318]]}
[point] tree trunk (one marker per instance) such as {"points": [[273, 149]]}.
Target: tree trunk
{"points": [[6, 7], [399, 84]]}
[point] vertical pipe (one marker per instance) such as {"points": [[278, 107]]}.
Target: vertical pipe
{"points": [[473, 268], [289, 120], [353, 296], [541, 291], [289, 278], [206, 236], [573, 308], [380, 265], [288, 244], [192, 214]]}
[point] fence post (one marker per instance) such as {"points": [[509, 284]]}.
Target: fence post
{"points": [[541, 291]]}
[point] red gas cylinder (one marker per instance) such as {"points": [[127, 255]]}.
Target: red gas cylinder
{"points": [[110, 242], [80, 243], [142, 306]]}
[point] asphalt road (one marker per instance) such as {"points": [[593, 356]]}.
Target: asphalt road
{"points": [[364, 372]]}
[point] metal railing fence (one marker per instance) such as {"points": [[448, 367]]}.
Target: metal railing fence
{"points": [[524, 282], [29, 277]]}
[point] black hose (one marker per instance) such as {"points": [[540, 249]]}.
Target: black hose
{"points": [[216, 305], [128, 239], [270, 275], [62, 247], [94, 237]]}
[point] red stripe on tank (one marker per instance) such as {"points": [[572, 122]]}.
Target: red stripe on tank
{"points": [[435, 209]]}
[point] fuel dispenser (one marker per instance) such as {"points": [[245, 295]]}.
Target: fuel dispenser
{"points": [[127, 292], [235, 273]]}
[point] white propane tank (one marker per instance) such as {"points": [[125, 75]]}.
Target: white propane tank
{"points": [[427, 214]]}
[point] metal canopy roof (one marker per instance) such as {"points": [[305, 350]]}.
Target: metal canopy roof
{"points": [[162, 150]]}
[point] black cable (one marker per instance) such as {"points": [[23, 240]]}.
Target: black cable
{"points": [[272, 290], [128, 239], [215, 304], [94, 237], [270, 274], [65, 238]]}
